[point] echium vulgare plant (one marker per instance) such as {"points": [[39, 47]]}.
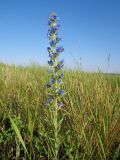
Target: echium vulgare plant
{"points": [[54, 87]]}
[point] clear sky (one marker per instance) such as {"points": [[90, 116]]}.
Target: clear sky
{"points": [[90, 30]]}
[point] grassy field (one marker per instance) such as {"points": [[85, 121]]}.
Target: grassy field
{"points": [[90, 127]]}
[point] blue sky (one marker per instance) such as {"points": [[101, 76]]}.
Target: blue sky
{"points": [[90, 30]]}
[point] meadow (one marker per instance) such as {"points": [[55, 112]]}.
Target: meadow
{"points": [[90, 126]]}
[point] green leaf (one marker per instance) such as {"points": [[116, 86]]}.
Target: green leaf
{"points": [[18, 134]]}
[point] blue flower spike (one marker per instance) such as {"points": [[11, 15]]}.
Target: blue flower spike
{"points": [[54, 86], [55, 82]]}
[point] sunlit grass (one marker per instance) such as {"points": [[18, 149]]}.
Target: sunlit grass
{"points": [[90, 129]]}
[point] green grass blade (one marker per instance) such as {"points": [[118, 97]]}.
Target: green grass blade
{"points": [[18, 134]]}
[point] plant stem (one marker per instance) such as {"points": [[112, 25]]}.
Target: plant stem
{"points": [[55, 129], [56, 116]]}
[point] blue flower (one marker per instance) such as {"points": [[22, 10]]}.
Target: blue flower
{"points": [[55, 28], [61, 92], [49, 49], [61, 75], [60, 65], [49, 23], [49, 71], [58, 39], [52, 43], [53, 17], [49, 33], [50, 99], [51, 55], [61, 61], [51, 62], [59, 49], [60, 104], [58, 25], [52, 81], [60, 81]]}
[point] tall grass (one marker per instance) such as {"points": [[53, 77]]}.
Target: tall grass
{"points": [[89, 130]]}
